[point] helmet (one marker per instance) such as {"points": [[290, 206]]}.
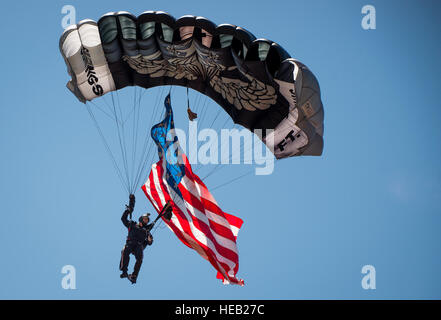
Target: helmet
{"points": [[144, 215]]}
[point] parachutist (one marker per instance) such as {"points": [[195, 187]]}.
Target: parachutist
{"points": [[138, 239]]}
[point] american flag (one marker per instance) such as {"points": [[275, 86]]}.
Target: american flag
{"points": [[197, 219]]}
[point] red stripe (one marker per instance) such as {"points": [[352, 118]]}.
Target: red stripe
{"points": [[197, 204]]}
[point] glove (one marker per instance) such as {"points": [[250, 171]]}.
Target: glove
{"points": [[132, 201], [129, 209], [168, 213], [150, 240]]}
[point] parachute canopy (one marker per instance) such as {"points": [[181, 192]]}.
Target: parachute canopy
{"points": [[254, 80]]}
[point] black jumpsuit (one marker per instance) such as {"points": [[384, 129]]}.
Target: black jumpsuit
{"points": [[137, 240]]}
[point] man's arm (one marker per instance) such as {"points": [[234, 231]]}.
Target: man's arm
{"points": [[129, 210], [124, 219], [149, 240]]}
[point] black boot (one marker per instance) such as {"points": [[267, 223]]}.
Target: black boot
{"points": [[124, 274], [132, 278]]}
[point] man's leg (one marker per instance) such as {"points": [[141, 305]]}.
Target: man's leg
{"points": [[139, 255], [125, 259]]}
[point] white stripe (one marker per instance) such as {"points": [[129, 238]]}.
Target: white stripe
{"points": [[149, 192], [221, 240], [192, 187], [157, 185]]}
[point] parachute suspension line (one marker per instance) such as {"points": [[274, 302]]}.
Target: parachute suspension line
{"points": [[131, 111], [211, 172], [232, 180], [136, 137], [198, 166], [149, 156], [156, 227], [107, 104], [217, 165], [101, 109], [241, 148], [124, 144], [161, 227], [135, 132], [203, 113], [215, 118], [145, 156], [143, 153], [106, 145], [198, 103], [150, 159], [144, 148], [134, 129], [230, 158], [146, 151], [225, 123], [219, 110], [120, 142], [204, 109]]}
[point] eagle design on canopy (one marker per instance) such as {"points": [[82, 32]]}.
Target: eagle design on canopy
{"points": [[250, 95], [156, 66]]}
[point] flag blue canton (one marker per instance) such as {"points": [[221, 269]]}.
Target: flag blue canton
{"points": [[168, 148]]}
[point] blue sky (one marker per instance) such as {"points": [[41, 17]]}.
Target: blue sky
{"points": [[372, 198]]}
